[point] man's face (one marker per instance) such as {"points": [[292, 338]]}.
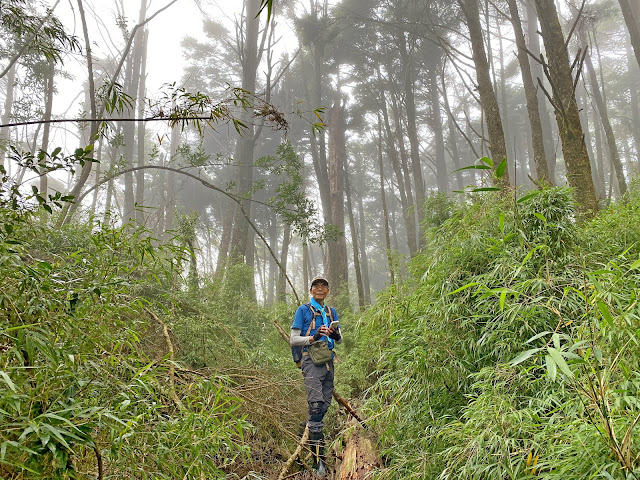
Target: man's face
{"points": [[319, 291]]}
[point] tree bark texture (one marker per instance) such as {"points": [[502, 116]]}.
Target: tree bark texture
{"points": [[442, 176], [336, 257], [6, 114], [574, 150], [488, 98]]}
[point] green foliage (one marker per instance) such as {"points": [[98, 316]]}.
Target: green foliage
{"points": [[513, 352], [84, 370]]}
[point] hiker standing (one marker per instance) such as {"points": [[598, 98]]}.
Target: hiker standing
{"points": [[319, 323]]}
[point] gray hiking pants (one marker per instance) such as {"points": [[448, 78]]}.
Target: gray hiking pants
{"points": [[318, 382]]}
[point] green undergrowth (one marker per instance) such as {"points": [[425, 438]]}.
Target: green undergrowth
{"points": [[513, 350], [91, 384]]}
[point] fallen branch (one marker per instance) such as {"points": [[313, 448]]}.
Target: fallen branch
{"points": [[172, 368], [346, 405], [292, 458]]}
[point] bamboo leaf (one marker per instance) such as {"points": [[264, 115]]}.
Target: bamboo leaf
{"points": [[560, 361], [501, 168], [473, 167], [8, 381], [524, 356], [552, 368], [503, 297], [486, 189], [487, 160], [529, 196], [605, 311], [464, 287]]}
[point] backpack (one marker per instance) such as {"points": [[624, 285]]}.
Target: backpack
{"points": [[296, 352]]}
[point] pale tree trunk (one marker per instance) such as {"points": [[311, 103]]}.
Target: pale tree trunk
{"points": [[318, 146], [47, 126], [408, 215], [385, 213], [284, 255], [632, 19], [516, 172], [230, 208], [68, 210], [98, 170], [633, 76], [574, 150], [6, 114], [537, 73], [436, 116], [614, 155], [336, 257], [139, 196], [273, 245], [404, 164], [540, 161], [412, 131], [354, 240], [246, 142], [366, 282], [132, 87], [488, 99], [453, 144], [170, 189]]}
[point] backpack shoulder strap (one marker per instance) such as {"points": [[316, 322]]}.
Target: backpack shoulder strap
{"points": [[330, 313], [312, 325]]}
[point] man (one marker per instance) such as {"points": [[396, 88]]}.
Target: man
{"points": [[313, 324]]}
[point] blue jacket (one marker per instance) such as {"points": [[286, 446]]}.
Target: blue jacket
{"points": [[303, 317]]}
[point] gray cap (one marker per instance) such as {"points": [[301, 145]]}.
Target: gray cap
{"points": [[319, 279]]}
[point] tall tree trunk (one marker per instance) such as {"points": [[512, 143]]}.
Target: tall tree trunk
{"points": [[273, 268], [67, 210], [139, 197], [385, 213], [229, 208], [246, 142], [412, 131], [632, 20], [366, 283], [336, 258], [633, 75], [453, 144], [537, 73], [539, 157], [614, 155], [6, 114], [408, 215], [574, 150], [284, 255], [354, 239], [404, 163], [436, 116], [47, 126], [170, 200], [488, 99]]}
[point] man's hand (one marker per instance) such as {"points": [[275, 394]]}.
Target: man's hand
{"points": [[323, 330]]}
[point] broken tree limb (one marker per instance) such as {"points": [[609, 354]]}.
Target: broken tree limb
{"points": [[292, 458], [346, 405], [167, 338], [359, 458]]}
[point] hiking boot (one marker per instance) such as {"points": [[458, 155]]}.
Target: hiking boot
{"points": [[316, 442]]}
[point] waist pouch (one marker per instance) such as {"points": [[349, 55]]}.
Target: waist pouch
{"points": [[319, 353]]}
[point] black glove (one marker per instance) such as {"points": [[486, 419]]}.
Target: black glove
{"points": [[335, 335], [317, 336]]}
